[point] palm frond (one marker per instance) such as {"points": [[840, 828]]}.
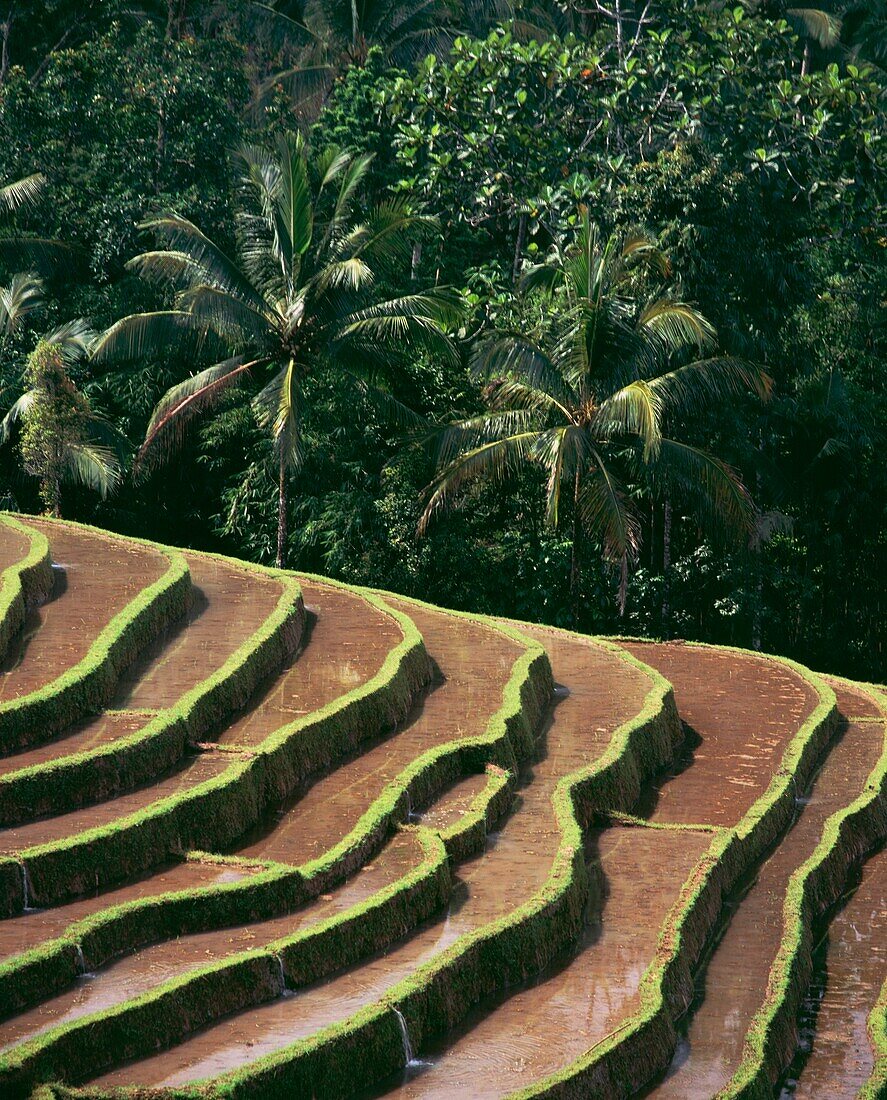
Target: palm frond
{"points": [[514, 355], [635, 409], [696, 385], [152, 336], [208, 262], [23, 192], [713, 488], [277, 410], [228, 316], [92, 465], [72, 340], [22, 296], [497, 461], [19, 411], [676, 325], [353, 274], [182, 402], [820, 25]]}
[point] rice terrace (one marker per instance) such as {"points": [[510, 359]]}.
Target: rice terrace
{"points": [[265, 834], [443, 543]]}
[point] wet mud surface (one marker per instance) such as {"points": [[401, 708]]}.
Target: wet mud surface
{"points": [[735, 981], [95, 578], [603, 693]]}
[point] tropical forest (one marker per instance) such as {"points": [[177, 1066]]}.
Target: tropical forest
{"points": [[443, 549]]}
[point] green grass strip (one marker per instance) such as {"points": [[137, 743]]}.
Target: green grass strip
{"points": [[643, 1045], [33, 718], [45, 969], [813, 889], [93, 775], [169, 1012], [27, 581], [367, 1046]]}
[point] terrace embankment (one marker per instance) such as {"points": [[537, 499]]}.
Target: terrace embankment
{"points": [[839, 1057], [538, 1032], [14, 546], [330, 664], [229, 604], [736, 977], [95, 578], [598, 692]]}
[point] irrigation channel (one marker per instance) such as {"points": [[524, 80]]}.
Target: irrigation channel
{"points": [[725, 724]]}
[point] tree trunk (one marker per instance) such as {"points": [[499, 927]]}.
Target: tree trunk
{"points": [[416, 260], [805, 60], [6, 30], [281, 515], [575, 564], [519, 247], [666, 569]]}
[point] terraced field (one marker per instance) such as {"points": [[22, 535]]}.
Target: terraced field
{"points": [[266, 835]]}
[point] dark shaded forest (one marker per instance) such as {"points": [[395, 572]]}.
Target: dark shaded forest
{"points": [[568, 312]]}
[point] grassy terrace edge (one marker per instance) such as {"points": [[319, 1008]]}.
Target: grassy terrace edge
{"points": [[25, 582], [217, 811], [631, 1055], [177, 1007], [814, 888], [509, 738], [253, 977], [96, 774], [85, 688], [368, 1045]]}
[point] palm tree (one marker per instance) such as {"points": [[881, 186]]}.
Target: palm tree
{"points": [[295, 295], [331, 35], [20, 251], [591, 402], [62, 439]]}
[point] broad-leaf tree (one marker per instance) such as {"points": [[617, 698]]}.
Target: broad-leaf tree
{"points": [[591, 402], [297, 293], [61, 438]]}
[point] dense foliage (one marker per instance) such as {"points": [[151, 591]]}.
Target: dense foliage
{"points": [[745, 141]]}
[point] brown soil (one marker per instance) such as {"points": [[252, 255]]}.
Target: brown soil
{"points": [[96, 577], [736, 977], [744, 709]]}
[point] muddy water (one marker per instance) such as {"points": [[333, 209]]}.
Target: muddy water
{"points": [[14, 546], [230, 605], [349, 640], [138, 973], [18, 934], [189, 772], [475, 662], [600, 694], [744, 709], [842, 1058], [537, 1031], [736, 976], [855, 966], [310, 680], [92, 733], [453, 803], [96, 577]]}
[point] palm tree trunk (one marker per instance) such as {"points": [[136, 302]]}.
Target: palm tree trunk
{"points": [[575, 564], [281, 515], [666, 569], [519, 246]]}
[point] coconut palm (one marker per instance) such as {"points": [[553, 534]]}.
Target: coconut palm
{"points": [[61, 439], [24, 251], [591, 402], [295, 295]]}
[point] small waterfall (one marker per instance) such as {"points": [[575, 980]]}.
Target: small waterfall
{"points": [[81, 961], [405, 1036], [26, 890], [284, 992]]}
